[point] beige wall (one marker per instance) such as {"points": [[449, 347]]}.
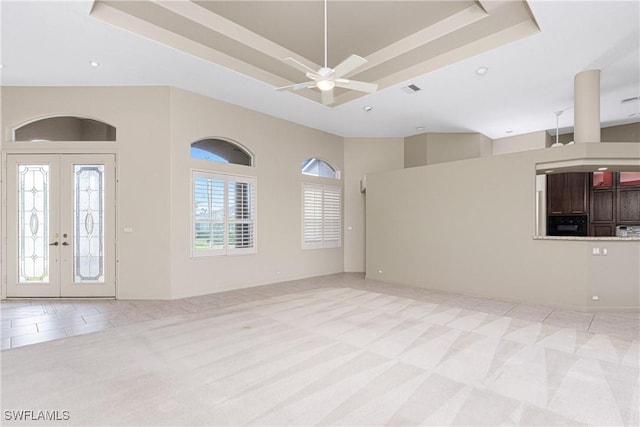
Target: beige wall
{"points": [[141, 116], [432, 148], [469, 229], [465, 213], [621, 133], [155, 127], [542, 139], [415, 151], [279, 147], [448, 147], [363, 156], [528, 141]]}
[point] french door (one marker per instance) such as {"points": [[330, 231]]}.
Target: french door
{"points": [[60, 225]]}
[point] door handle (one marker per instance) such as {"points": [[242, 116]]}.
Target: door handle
{"points": [[65, 243], [54, 244]]}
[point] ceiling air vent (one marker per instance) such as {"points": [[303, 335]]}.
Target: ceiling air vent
{"points": [[635, 98], [411, 88]]}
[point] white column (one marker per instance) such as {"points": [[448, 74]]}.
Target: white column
{"points": [[586, 110]]}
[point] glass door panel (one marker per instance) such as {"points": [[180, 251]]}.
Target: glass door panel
{"points": [[33, 248], [33, 223], [61, 225], [88, 224]]}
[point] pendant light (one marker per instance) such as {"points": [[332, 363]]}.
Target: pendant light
{"points": [[557, 143]]}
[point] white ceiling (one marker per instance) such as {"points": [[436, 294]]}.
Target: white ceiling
{"points": [[51, 43]]}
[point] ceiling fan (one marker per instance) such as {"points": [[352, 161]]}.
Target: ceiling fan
{"points": [[325, 79]]}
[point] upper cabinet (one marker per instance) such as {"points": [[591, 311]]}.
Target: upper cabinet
{"points": [[602, 180], [629, 179], [629, 198], [615, 200], [568, 193]]}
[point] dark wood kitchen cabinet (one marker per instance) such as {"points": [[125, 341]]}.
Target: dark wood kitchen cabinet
{"points": [[615, 200], [603, 206], [629, 206], [568, 193], [603, 213]]}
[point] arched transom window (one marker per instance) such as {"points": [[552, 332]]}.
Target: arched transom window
{"points": [[65, 128], [222, 151], [317, 167]]}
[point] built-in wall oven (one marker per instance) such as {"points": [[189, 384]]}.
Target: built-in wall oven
{"points": [[567, 225]]}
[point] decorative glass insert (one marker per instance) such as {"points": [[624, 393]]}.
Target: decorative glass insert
{"points": [[221, 151], [224, 214], [33, 223], [88, 224], [317, 167], [602, 179], [67, 128], [628, 179]]}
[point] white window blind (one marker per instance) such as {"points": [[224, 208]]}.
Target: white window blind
{"points": [[322, 216], [224, 214]]}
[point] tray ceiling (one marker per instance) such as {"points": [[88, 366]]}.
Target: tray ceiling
{"points": [[400, 39]]}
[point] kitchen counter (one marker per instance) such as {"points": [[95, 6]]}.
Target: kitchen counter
{"points": [[588, 238]]}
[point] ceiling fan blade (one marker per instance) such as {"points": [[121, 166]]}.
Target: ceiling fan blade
{"points": [[327, 97], [356, 85], [348, 65], [297, 86], [299, 65], [314, 76]]}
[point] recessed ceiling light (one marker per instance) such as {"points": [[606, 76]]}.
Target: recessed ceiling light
{"points": [[602, 169], [509, 131], [367, 108], [419, 128], [481, 71], [94, 63]]}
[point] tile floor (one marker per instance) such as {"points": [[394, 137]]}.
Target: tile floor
{"points": [[335, 350], [31, 321]]}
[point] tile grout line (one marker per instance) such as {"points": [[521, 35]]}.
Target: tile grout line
{"points": [[591, 323]]}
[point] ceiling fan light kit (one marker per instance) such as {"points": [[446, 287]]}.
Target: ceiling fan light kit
{"points": [[325, 84], [326, 79]]}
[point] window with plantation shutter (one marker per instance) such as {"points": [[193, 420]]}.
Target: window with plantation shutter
{"points": [[322, 216], [224, 214]]}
